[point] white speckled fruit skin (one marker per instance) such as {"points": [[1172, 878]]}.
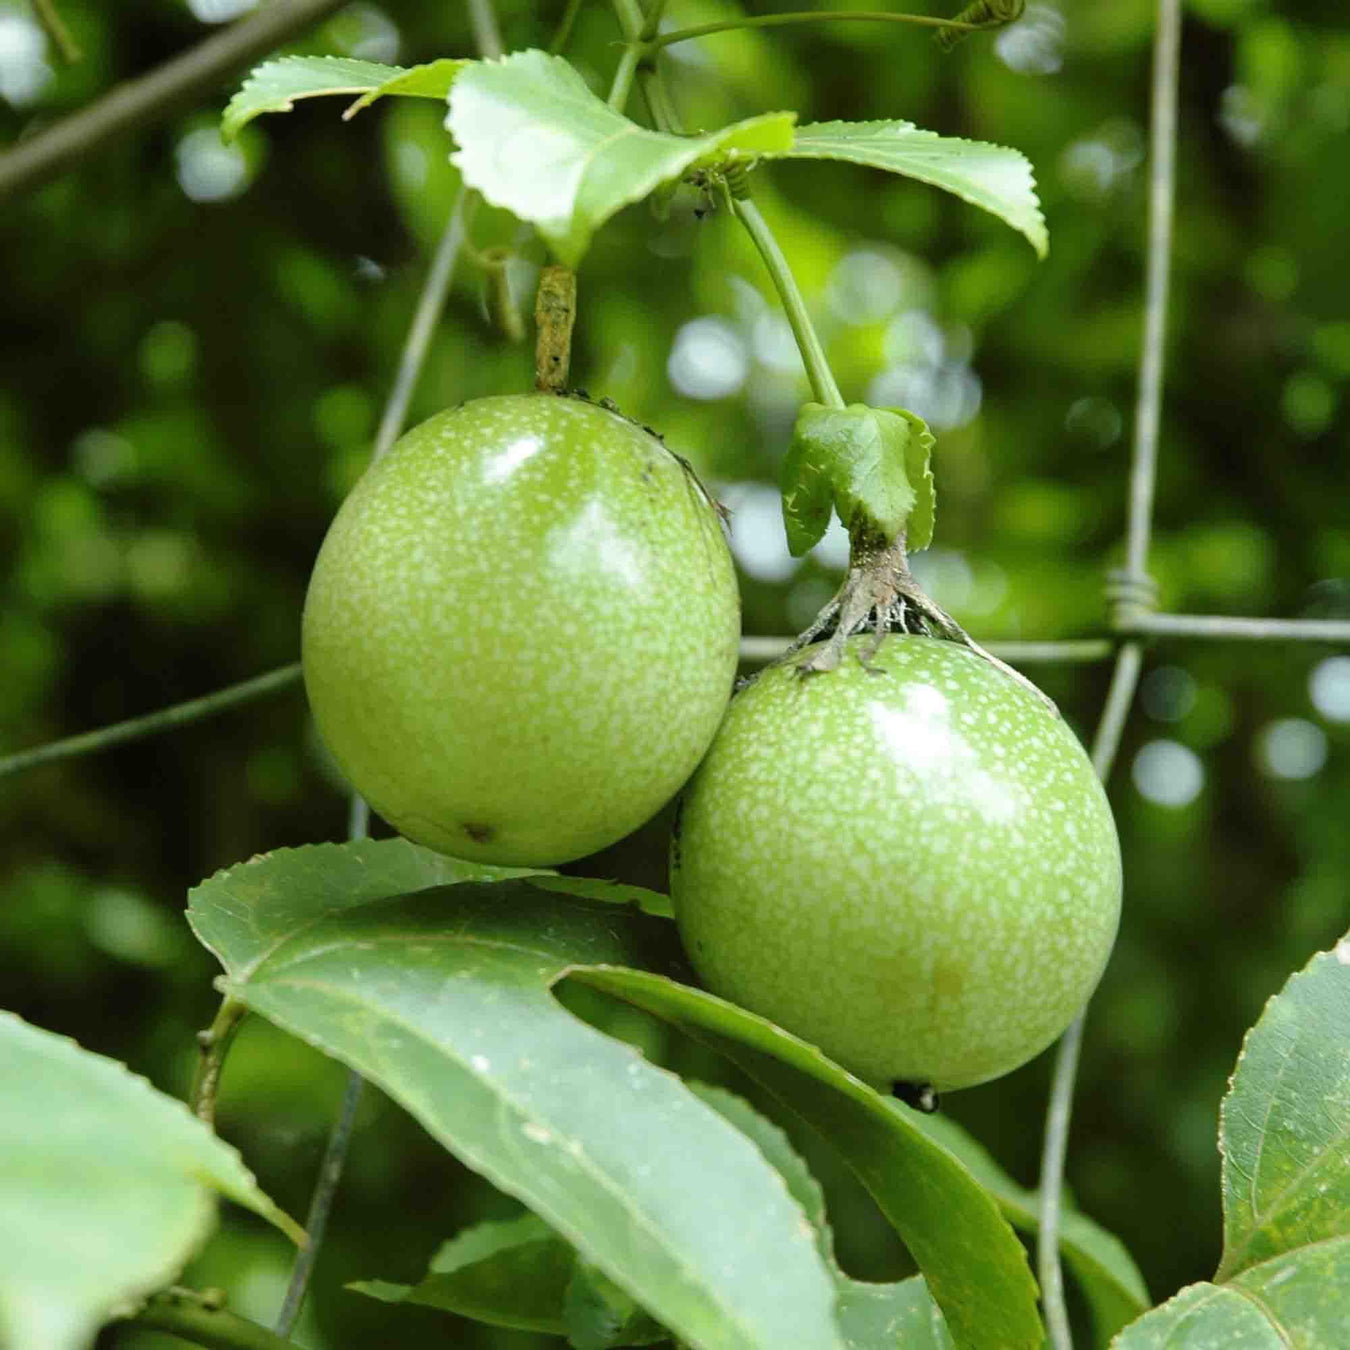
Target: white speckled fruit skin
{"points": [[522, 630], [917, 871]]}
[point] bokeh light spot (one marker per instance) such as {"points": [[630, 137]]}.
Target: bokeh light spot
{"points": [[1329, 688], [1034, 44], [758, 541], [1168, 773], [208, 169], [1291, 748], [24, 72], [1168, 693], [708, 359]]}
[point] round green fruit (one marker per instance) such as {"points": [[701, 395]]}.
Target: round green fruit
{"points": [[913, 867], [522, 630]]}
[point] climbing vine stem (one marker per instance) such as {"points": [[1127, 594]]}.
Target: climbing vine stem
{"points": [[659, 40], [1162, 179], [214, 1044], [808, 340]]}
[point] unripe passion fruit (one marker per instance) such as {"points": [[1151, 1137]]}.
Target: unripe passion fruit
{"points": [[521, 630], [917, 870]]}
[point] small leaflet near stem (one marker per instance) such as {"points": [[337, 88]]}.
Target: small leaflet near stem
{"points": [[555, 311]]}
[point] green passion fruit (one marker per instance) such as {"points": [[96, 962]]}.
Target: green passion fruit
{"points": [[912, 866], [522, 629]]}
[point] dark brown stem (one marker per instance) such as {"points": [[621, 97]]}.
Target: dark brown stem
{"points": [[555, 311], [147, 99]]}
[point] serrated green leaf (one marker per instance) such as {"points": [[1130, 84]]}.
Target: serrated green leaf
{"points": [[291, 890], [1107, 1274], [512, 1273], [1302, 1301], [994, 177], [870, 1316], [275, 85], [856, 458], [598, 1315], [777, 1148], [430, 80], [808, 493], [534, 139], [884, 1316], [107, 1187], [919, 471], [933, 1202], [1284, 1127], [442, 997], [611, 892], [519, 1273], [1284, 1133]]}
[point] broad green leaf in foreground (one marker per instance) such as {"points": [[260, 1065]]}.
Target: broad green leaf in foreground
{"points": [[1284, 1133], [534, 139], [275, 85], [1109, 1278], [933, 1202], [107, 1187], [442, 997], [871, 1316], [287, 892], [993, 177], [870, 465], [520, 1274]]}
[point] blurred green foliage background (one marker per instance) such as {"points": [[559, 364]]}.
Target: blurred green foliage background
{"points": [[197, 340]]}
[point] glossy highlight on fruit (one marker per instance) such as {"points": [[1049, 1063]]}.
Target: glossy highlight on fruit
{"points": [[522, 630], [916, 870]]}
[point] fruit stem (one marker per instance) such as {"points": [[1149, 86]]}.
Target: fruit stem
{"points": [[555, 311], [808, 341]]}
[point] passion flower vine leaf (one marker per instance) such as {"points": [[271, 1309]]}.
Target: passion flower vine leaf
{"points": [[275, 85], [1284, 1135], [871, 465], [534, 139], [1104, 1269], [871, 1316], [441, 995], [998, 179], [510, 1273], [244, 913], [940, 1211], [107, 1188], [520, 1274], [430, 80]]}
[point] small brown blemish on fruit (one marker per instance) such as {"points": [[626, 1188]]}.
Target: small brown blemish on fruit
{"points": [[948, 981], [480, 834]]}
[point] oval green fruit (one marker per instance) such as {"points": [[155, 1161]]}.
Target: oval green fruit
{"points": [[914, 868], [522, 630]]}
